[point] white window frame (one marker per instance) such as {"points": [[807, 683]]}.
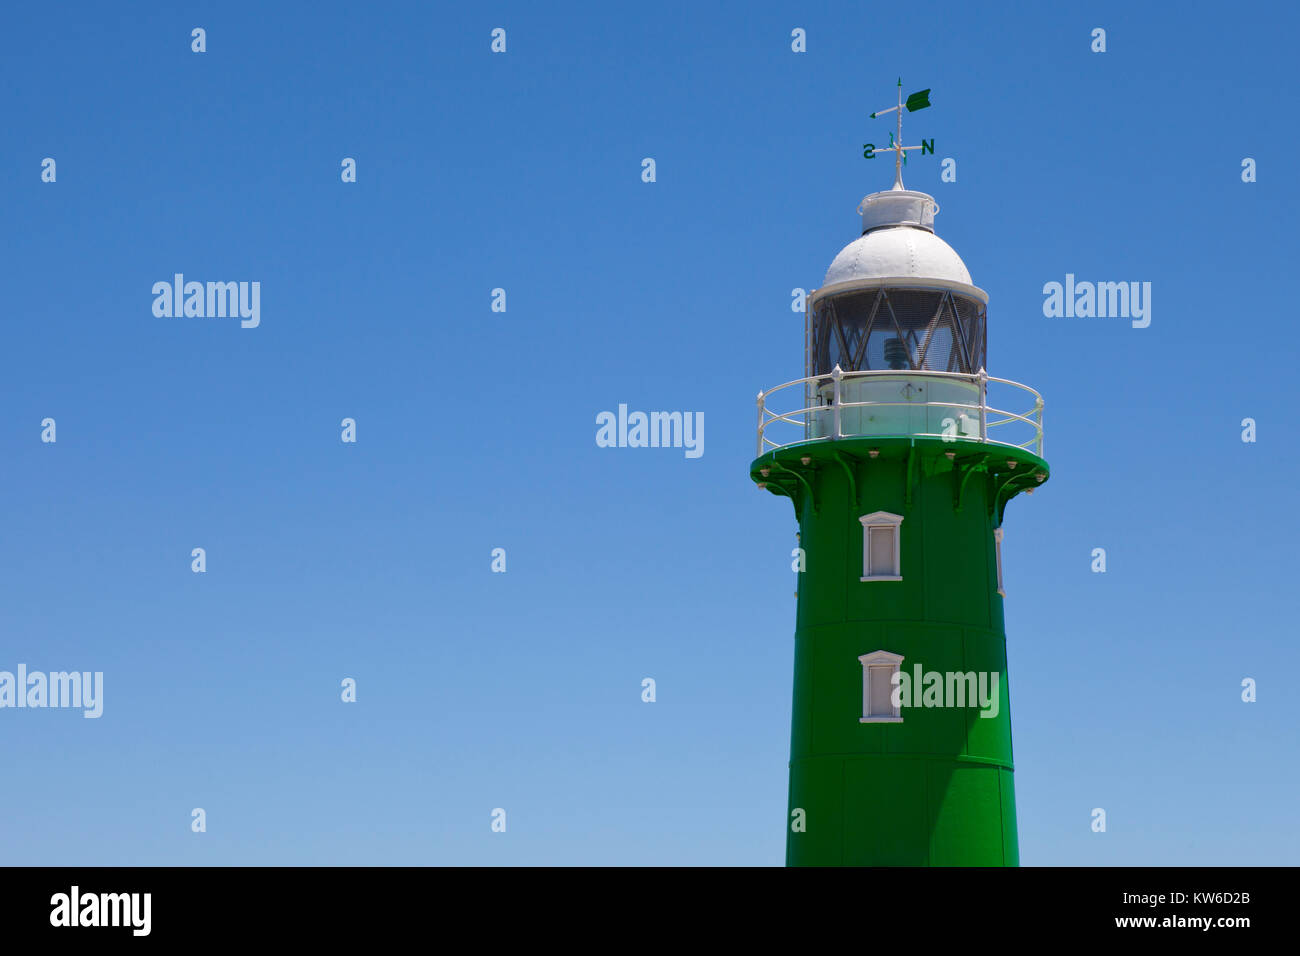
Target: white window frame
{"points": [[997, 547], [880, 659], [881, 519]]}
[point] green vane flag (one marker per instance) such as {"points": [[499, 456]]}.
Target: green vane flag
{"points": [[918, 101]]}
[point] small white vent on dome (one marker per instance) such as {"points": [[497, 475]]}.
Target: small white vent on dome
{"points": [[898, 207]]}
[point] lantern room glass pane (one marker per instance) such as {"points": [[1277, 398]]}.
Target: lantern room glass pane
{"points": [[898, 329]]}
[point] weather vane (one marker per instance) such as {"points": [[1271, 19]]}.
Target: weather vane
{"points": [[916, 101]]}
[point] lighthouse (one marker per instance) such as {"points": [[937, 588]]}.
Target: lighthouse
{"points": [[899, 454]]}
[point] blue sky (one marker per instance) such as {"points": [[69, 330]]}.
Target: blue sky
{"points": [[476, 429]]}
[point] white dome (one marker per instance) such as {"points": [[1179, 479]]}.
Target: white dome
{"points": [[897, 252], [899, 243]]}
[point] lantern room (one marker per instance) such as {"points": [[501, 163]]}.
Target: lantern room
{"points": [[898, 297], [895, 344], [899, 319]]}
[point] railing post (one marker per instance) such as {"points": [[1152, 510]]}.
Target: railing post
{"points": [[984, 405], [759, 453], [1040, 428], [836, 374]]}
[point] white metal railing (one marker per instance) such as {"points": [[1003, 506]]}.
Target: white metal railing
{"points": [[845, 405]]}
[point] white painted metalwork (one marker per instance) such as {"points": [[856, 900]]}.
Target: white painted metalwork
{"points": [[848, 405]]}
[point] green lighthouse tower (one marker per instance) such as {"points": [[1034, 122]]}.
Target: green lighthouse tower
{"points": [[899, 467]]}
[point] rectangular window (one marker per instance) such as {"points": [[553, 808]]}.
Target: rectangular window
{"points": [[997, 544], [881, 691], [881, 550], [878, 670], [880, 538]]}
